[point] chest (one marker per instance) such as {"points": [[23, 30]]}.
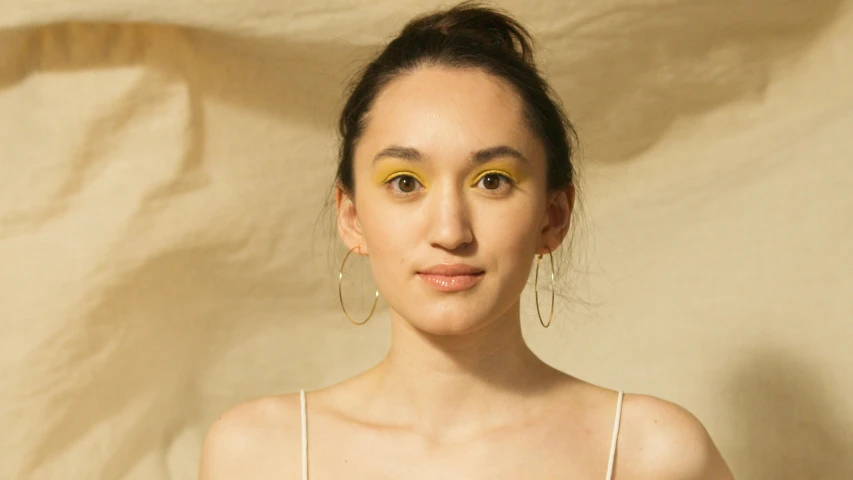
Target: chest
{"points": [[552, 450]]}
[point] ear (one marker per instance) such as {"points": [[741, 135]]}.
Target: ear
{"points": [[556, 223], [348, 226]]}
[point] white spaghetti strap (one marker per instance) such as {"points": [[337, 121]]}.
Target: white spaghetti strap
{"points": [[304, 435], [615, 435]]}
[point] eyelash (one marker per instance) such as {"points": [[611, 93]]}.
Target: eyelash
{"points": [[392, 181]]}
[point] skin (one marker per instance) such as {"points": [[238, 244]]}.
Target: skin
{"points": [[459, 394]]}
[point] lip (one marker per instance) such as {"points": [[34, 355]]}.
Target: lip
{"points": [[451, 278], [449, 270]]}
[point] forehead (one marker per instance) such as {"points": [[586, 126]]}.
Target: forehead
{"points": [[442, 110]]}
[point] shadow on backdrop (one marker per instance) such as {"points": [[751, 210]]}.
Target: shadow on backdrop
{"points": [[628, 73], [784, 422], [625, 74]]}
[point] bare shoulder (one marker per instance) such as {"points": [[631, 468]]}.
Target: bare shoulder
{"points": [[661, 440], [255, 440]]}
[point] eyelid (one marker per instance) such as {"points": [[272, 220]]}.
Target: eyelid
{"points": [[506, 174], [399, 174], [509, 178]]}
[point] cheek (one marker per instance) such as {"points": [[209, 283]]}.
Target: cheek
{"points": [[508, 227], [388, 233]]}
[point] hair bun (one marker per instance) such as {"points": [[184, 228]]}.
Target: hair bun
{"points": [[467, 36], [484, 25]]}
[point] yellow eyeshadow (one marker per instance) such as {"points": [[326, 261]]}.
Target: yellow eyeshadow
{"points": [[387, 173], [384, 175], [515, 174]]}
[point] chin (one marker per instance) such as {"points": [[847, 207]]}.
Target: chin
{"points": [[447, 322]]}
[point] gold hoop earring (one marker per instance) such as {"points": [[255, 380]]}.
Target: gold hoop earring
{"points": [[341, 295], [536, 289]]}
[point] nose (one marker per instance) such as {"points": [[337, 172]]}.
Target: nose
{"points": [[449, 219]]}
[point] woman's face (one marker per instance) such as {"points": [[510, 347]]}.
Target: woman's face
{"points": [[447, 173]]}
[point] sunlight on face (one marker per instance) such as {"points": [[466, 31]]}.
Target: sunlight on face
{"points": [[446, 173]]}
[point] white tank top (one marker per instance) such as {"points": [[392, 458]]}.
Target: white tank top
{"points": [[609, 462]]}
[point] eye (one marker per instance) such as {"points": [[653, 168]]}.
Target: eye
{"points": [[404, 183], [494, 180]]}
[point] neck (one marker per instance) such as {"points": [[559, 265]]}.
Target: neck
{"points": [[448, 387]]}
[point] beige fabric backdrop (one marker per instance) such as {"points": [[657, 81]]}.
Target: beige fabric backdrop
{"points": [[164, 251]]}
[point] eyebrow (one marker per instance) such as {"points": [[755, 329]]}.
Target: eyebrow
{"points": [[411, 154]]}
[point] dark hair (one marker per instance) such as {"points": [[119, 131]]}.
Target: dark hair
{"points": [[468, 35]]}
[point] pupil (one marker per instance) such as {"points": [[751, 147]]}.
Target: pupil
{"points": [[491, 181], [405, 184]]}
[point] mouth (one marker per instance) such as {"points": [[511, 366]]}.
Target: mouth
{"points": [[451, 283]]}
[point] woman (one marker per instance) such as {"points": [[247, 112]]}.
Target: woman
{"points": [[455, 174]]}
